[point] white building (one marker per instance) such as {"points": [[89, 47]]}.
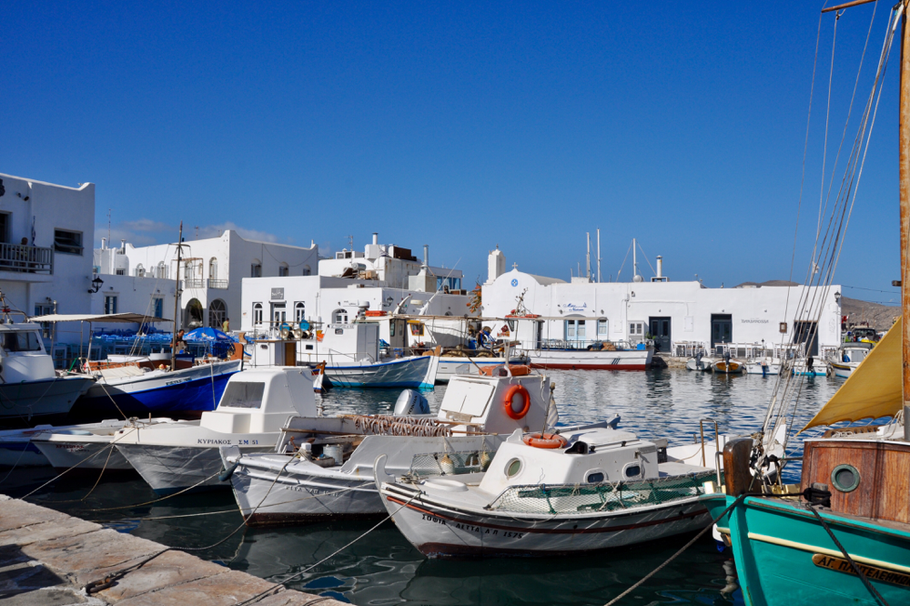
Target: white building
{"points": [[383, 278], [143, 279], [44, 230], [672, 313]]}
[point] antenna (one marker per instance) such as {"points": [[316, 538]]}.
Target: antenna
{"points": [[108, 225], [588, 258], [598, 254]]}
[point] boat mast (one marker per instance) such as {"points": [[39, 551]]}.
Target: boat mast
{"points": [[904, 142], [176, 300]]}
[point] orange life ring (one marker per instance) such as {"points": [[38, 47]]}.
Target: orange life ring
{"points": [[544, 440], [508, 400]]}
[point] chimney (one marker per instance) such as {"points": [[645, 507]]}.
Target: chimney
{"points": [[660, 266], [375, 238], [426, 255]]}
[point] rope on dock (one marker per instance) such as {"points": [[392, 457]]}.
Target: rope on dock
{"points": [[678, 553]]}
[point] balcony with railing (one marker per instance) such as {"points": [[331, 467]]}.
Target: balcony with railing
{"points": [[26, 260], [220, 284], [193, 283]]}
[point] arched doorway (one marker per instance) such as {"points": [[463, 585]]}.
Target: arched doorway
{"points": [[192, 314], [217, 313]]}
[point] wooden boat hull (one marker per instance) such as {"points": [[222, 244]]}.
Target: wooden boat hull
{"points": [[187, 392], [414, 372], [733, 367], [440, 529], [41, 399], [586, 359]]}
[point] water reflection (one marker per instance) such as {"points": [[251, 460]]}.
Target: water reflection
{"points": [[382, 568]]}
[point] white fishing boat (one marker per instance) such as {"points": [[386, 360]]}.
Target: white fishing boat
{"points": [[848, 357], [89, 445], [323, 466], [255, 405], [584, 489], [30, 388]]}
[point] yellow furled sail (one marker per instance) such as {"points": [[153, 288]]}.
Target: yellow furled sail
{"points": [[874, 388]]}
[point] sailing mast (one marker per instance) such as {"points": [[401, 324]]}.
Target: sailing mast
{"points": [[904, 143], [176, 300], [904, 171]]}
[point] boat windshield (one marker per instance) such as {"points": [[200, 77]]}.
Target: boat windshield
{"points": [[21, 341], [243, 395]]}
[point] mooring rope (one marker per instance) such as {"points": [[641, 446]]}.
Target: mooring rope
{"points": [[678, 553], [281, 585]]}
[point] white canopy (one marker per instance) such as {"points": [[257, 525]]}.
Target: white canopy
{"points": [[127, 317]]}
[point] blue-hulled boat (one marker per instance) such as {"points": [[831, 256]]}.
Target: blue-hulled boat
{"points": [[134, 391]]}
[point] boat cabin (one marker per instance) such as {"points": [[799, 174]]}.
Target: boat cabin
{"points": [[260, 400]]}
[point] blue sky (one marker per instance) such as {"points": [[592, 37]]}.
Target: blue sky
{"points": [[461, 125]]}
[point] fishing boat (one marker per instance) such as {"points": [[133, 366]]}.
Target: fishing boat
{"points": [[848, 357], [582, 489], [350, 351], [89, 445], [30, 388], [323, 466], [255, 405], [843, 533]]}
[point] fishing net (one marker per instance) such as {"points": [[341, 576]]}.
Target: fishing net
{"points": [[575, 498]]}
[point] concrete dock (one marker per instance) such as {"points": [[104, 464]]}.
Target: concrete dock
{"points": [[48, 557]]}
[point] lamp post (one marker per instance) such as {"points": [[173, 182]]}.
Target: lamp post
{"points": [[97, 282]]}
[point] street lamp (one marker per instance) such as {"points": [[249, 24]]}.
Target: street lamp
{"points": [[96, 284]]}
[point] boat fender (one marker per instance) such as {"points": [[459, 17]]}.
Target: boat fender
{"points": [[226, 474], [544, 440], [517, 402]]}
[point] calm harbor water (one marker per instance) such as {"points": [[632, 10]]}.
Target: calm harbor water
{"points": [[382, 568]]}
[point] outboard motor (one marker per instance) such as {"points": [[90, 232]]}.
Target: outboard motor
{"points": [[411, 402]]}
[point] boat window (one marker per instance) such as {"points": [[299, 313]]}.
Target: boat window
{"points": [[512, 468], [21, 341], [845, 478], [632, 471], [596, 477], [243, 395]]}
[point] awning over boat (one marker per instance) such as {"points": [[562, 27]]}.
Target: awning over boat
{"points": [[124, 317], [873, 390]]}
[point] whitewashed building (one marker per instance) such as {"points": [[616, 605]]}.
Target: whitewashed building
{"points": [[46, 235], [143, 279], [672, 313], [382, 278]]}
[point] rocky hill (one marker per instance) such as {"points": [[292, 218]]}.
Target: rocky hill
{"points": [[878, 316]]}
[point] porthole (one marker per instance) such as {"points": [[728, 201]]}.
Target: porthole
{"points": [[632, 471], [596, 477], [845, 478], [513, 467]]}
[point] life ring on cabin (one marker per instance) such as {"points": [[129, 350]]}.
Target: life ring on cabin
{"points": [[544, 440], [508, 402]]}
